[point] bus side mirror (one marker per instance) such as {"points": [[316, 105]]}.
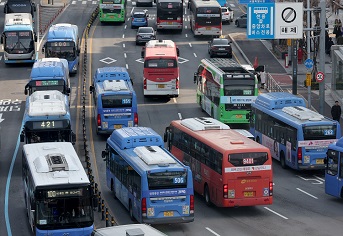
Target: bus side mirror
{"points": [[78, 51], [178, 52], [22, 136], [43, 49], [68, 91], [34, 7], [35, 38], [104, 155], [73, 138], [26, 89], [143, 52], [91, 89], [196, 77], [325, 160]]}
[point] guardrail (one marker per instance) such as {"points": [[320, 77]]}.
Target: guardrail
{"points": [[271, 85], [99, 203]]}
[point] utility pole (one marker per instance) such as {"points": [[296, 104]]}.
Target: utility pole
{"points": [[295, 66], [308, 48], [322, 56]]}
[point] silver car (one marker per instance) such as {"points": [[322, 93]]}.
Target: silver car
{"points": [[145, 34]]}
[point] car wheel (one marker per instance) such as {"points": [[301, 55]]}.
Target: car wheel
{"points": [[230, 55], [283, 161], [238, 24], [131, 211], [207, 196], [211, 55]]}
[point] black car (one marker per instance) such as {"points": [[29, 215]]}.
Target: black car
{"points": [[220, 47], [145, 34], [241, 21]]}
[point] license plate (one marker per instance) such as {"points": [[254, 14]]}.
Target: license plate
{"points": [[168, 213], [248, 194], [160, 86], [239, 116], [319, 161], [117, 126], [208, 28], [111, 16], [221, 48], [170, 23]]}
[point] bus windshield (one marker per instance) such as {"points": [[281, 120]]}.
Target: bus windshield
{"points": [[67, 52], [248, 159], [319, 132], [19, 41], [116, 101], [167, 180], [160, 63], [43, 85], [55, 212]]}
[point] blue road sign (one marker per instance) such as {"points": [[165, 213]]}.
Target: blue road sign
{"points": [[255, 1], [260, 23], [308, 63]]}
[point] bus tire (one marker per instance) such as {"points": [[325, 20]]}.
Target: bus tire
{"points": [[207, 196], [200, 103], [212, 113], [131, 211], [342, 193], [283, 161]]}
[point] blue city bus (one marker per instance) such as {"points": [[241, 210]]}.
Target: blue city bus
{"points": [[63, 42], [296, 136], [47, 118], [48, 75], [154, 186], [18, 38], [334, 169], [57, 192], [115, 101]]}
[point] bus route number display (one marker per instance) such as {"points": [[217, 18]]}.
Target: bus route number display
{"points": [[61, 44], [48, 124], [179, 180], [46, 83]]}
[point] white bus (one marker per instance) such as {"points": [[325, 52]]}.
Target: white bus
{"points": [[128, 230], [18, 38], [57, 192]]}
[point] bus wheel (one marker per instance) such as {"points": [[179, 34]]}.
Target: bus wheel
{"points": [[207, 196], [131, 211], [283, 161], [212, 113], [200, 102], [342, 193]]}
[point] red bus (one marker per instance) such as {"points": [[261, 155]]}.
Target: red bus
{"points": [[229, 169], [205, 17], [169, 14], [161, 69]]}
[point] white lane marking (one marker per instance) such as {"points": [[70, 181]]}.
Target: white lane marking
{"points": [[125, 26], [307, 193], [212, 231], [84, 2], [127, 66], [124, 54], [73, 2], [123, 35], [316, 181], [321, 179], [278, 214], [185, 26], [174, 100], [186, 35], [195, 55], [190, 44], [123, 45], [94, 2], [132, 10], [0, 58]]}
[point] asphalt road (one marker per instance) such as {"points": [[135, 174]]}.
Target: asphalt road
{"points": [[300, 205]]}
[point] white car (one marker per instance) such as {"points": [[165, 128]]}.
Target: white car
{"points": [[227, 14]]}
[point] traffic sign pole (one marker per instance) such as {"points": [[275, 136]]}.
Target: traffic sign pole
{"points": [[322, 56]]}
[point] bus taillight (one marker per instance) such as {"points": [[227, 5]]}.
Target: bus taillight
{"points": [[177, 84], [270, 188], [191, 204], [299, 155], [225, 191], [135, 119], [144, 83], [98, 120], [144, 207]]}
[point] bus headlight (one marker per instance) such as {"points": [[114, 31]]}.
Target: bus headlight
{"points": [[105, 125]]}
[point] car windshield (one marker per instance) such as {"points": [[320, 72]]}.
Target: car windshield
{"points": [[224, 10], [145, 30], [220, 42], [138, 15]]}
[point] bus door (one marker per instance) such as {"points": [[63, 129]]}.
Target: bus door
{"points": [[334, 173], [251, 175]]}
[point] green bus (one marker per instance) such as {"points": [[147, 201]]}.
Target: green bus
{"points": [[112, 10], [225, 90]]}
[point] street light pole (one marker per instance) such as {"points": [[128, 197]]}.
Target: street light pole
{"points": [[322, 56]]}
